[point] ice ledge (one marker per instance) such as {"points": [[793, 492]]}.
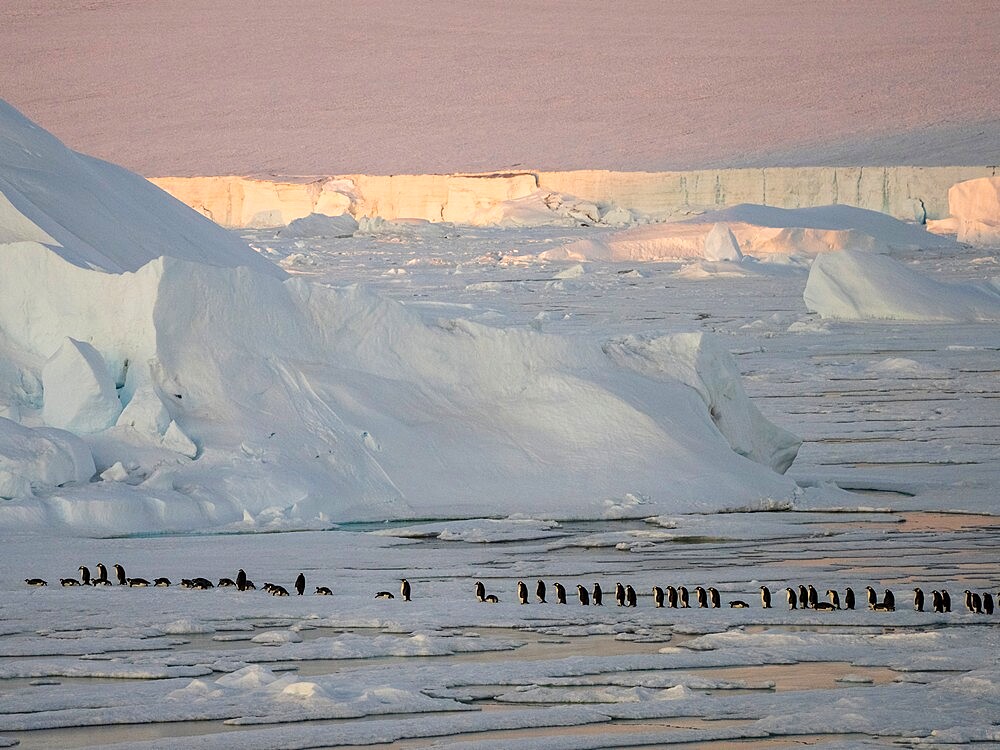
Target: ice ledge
{"points": [[905, 192]]}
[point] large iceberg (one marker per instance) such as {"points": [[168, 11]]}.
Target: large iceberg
{"points": [[225, 394]]}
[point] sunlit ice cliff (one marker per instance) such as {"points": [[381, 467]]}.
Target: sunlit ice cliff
{"points": [[528, 198]]}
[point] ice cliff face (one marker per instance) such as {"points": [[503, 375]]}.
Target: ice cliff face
{"points": [[582, 196]]}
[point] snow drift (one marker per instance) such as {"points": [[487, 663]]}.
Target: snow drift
{"points": [[759, 231], [858, 286], [222, 393]]}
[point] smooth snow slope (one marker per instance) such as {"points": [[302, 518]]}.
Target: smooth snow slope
{"points": [[98, 214], [187, 88]]}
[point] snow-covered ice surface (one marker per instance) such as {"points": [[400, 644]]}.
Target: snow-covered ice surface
{"points": [[903, 414], [174, 668]]}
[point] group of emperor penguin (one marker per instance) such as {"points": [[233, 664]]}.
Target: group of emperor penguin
{"points": [[804, 597], [625, 595], [240, 583]]}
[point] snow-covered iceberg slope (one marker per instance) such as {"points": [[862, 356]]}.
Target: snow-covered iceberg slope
{"points": [[856, 286], [98, 214], [251, 399], [759, 231], [222, 393]]}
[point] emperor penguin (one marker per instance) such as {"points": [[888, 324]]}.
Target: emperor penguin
{"points": [[540, 591], [84, 575], [480, 591], [560, 593], [803, 597], [583, 595], [872, 597], [300, 584], [671, 597], [889, 601], [918, 600], [120, 574], [946, 600], [102, 576], [834, 598], [988, 602], [701, 596], [37, 582], [849, 598], [630, 598], [682, 594], [620, 594], [658, 597], [765, 597], [241, 580], [404, 589], [713, 597], [522, 592], [813, 596], [790, 596], [937, 603], [968, 601], [598, 595]]}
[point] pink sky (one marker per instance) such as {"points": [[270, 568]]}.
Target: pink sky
{"points": [[320, 87]]}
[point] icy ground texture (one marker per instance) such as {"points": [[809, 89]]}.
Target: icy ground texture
{"points": [[440, 87], [170, 668]]}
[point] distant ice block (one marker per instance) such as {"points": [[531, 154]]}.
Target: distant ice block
{"points": [[721, 244], [318, 226], [975, 205], [859, 286]]}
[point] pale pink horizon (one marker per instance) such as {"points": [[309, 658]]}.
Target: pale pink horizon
{"points": [[315, 87]]}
